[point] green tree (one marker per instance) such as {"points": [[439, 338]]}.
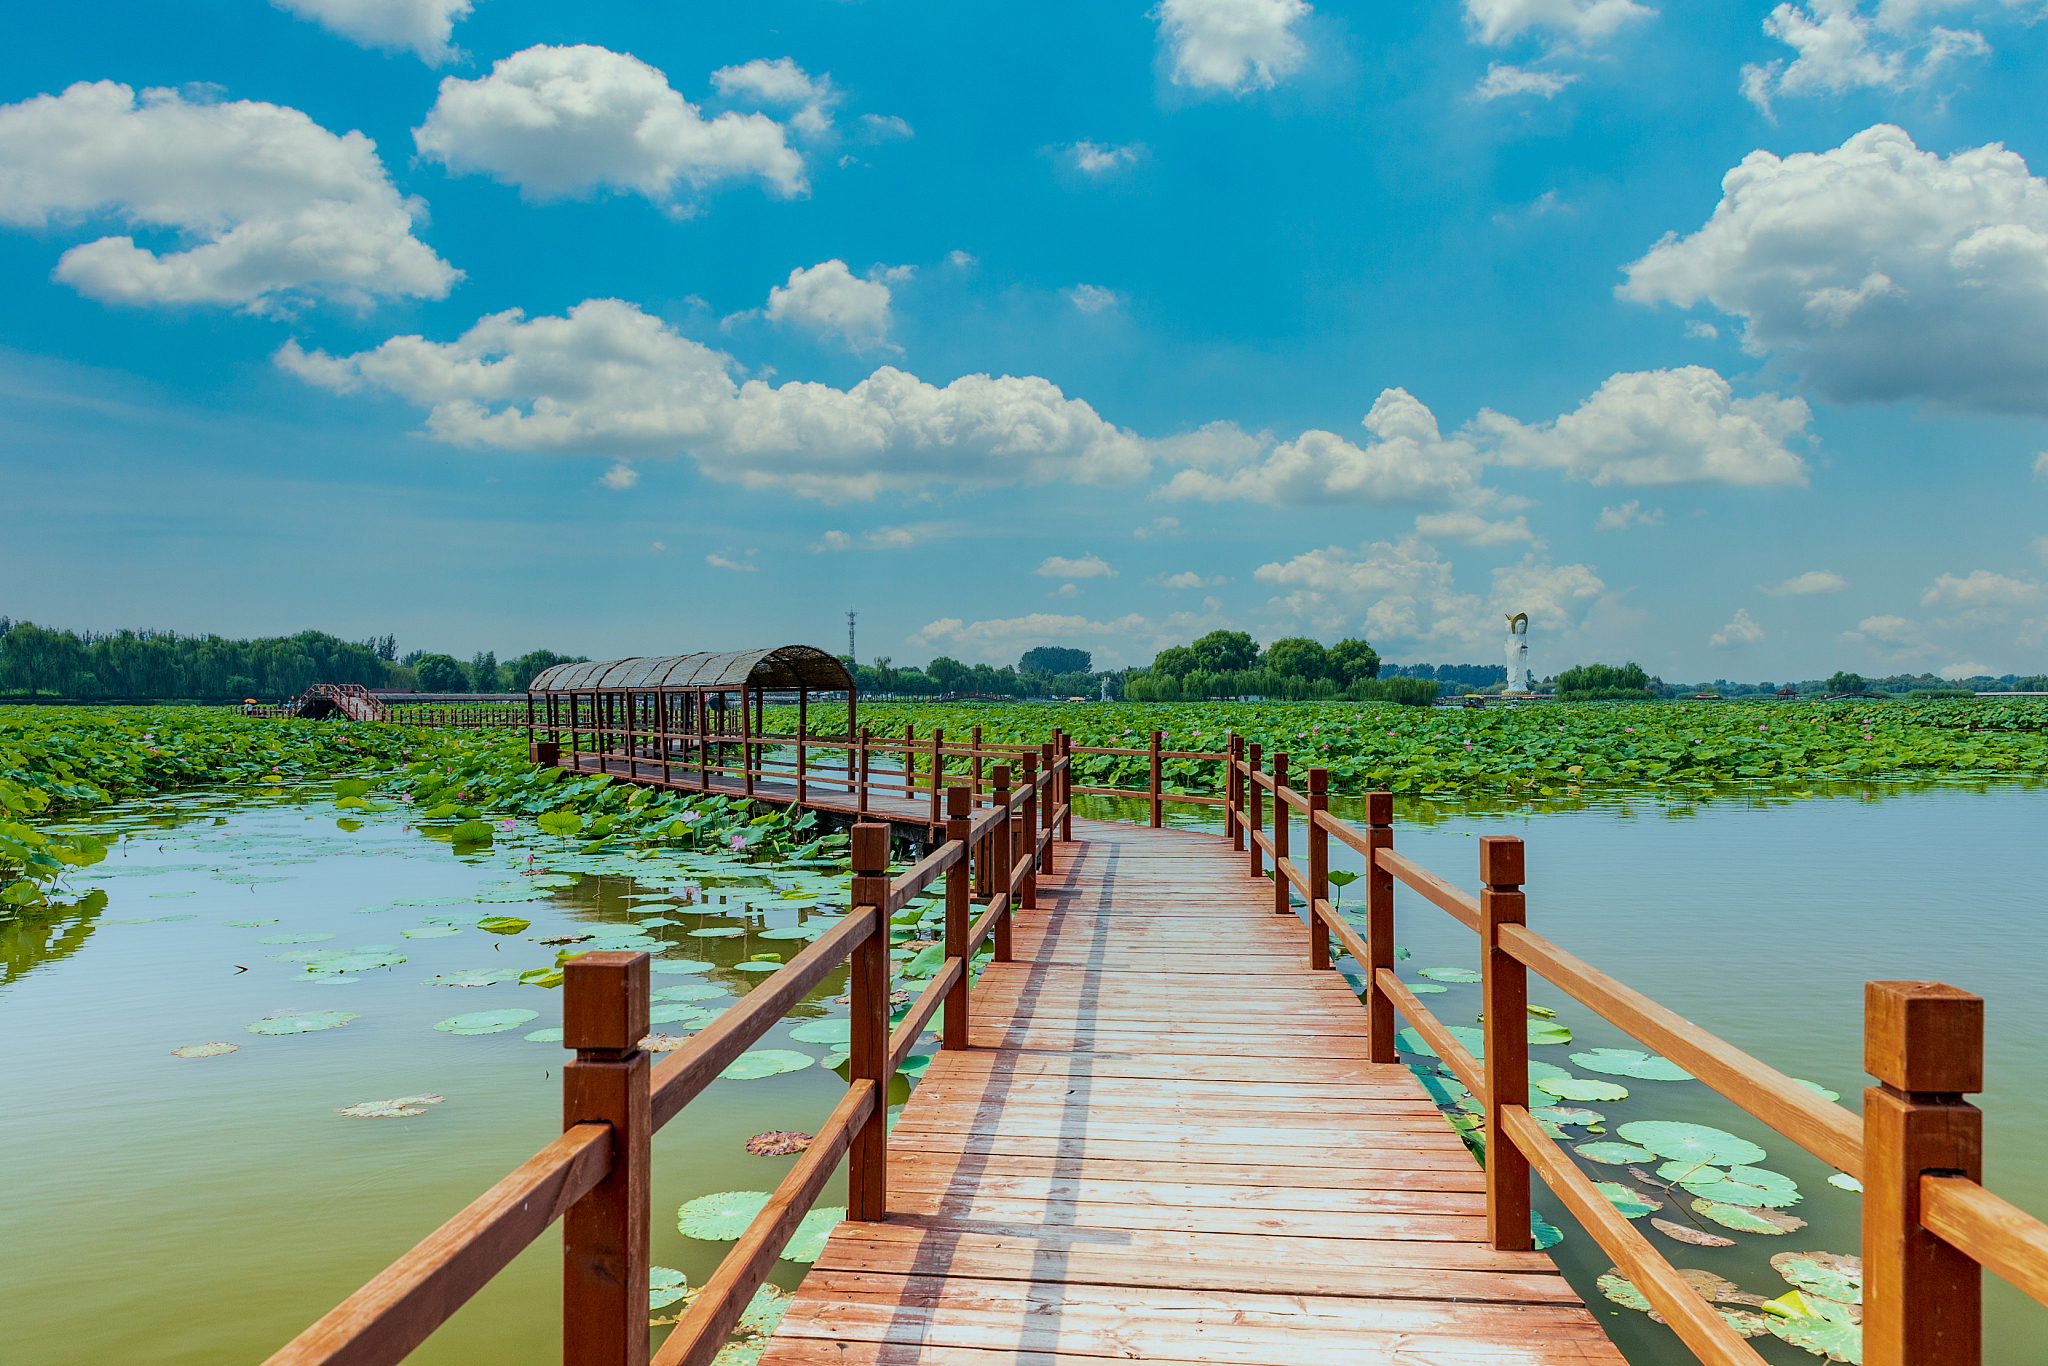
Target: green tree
{"points": [[1591, 681], [1224, 651], [1298, 657], [520, 672], [483, 671], [1054, 659], [947, 673], [1353, 661], [440, 673], [1842, 681], [1173, 662]]}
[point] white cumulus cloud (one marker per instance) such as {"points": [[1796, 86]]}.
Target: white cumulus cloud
{"points": [[1471, 528], [1233, 45], [1806, 585], [1982, 591], [1585, 21], [1737, 633], [421, 27], [1627, 515], [1883, 272], [831, 300], [1094, 298], [612, 381], [1842, 48], [1503, 80], [563, 121], [1087, 567], [1681, 426], [1406, 591], [1124, 640], [782, 83], [1099, 161], [281, 209]]}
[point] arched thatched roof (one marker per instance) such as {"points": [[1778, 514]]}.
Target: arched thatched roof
{"points": [[789, 666]]}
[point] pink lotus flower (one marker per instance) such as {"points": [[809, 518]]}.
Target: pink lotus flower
{"points": [[739, 842], [508, 825]]}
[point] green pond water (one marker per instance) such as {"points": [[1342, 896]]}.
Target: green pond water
{"points": [[202, 1210]]}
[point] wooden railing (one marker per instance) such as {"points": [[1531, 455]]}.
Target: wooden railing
{"points": [[595, 1177], [1928, 1223]]}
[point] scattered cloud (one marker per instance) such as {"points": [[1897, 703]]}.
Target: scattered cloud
{"points": [[1982, 595], [721, 562], [1099, 161], [1094, 298], [560, 122], [1503, 80], [1893, 638], [1405, 591], [619, 477], [1880, 271], [1124, 640], [1231, 45], [1470, 528], [1087, 567], [282, 211], [1840, 48], [658, 548], [421, 27], [1494, 22], [783, 84], [1701, 331], [2041, 465], [1737, 633], [890, 537], [959, 260], [1185, 580], [1170, 526], [1627, 515], [1066, 590], [1808, 584], [610, 380], [1956, 672], [885, 128], [829, 300], [1654, 427]]}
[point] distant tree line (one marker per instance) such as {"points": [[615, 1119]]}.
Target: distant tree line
{"points": [[164, 665]]}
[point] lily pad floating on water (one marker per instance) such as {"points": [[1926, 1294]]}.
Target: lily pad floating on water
{"points": [[400, 1107], [808, 1242], [303, 937], [678, 1014], [302, 1022], [720, 1218], [1627, 1201], [1812, 1086], [1829, 1275], [716, 933], [502, 924], [1686, 1233], [428, 900], [486, 1021], [430, 932], [1450, 974], [356, 962], [823, 1031], [1627, 1062], [1613, 1154], [1817, 1325], [1543, 1033], [688, 991], [1845, 1182], [681, 965], [1546, 1234], [1748, 1219], [545, 1035], [1562, 1114], [466, 979], [1579, 1088], [793, 932], [156, 895], [756, 967], [1748, 1186], [1425, 988], [1691, 1142], [204, 1050], [766, 1062], [247, 924], [665, 1286]]}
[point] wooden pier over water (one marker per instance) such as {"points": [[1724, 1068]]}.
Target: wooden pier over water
{"points": [[1161, 1126]]}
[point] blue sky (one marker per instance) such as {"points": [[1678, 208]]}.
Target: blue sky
{"points": [[1712, 335]]}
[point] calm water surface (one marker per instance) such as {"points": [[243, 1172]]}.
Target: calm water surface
{"points": [[195, 1211]]}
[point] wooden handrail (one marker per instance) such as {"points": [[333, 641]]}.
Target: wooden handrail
{"points": [[1698, 1324], [997, 906], [1453, 1053], [921, 1010], [1462, 905], [406, 1301], [1994, 1233], [718, 1306], [924, 874]]}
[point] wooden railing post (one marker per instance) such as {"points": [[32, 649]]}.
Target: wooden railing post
{"points": [[1379, 927], [1050, 807], [1067, 789], [1255, 803], [1233, 791], [1024, 834], [604, 1235], [959, 813], [974, 762], [1505, 991], [1924, 1042], [867, 1179], [860, 801], [909, 761], [1001, 861], [1155, 784], [938, 771], [1282, 889], [1318, 867]]}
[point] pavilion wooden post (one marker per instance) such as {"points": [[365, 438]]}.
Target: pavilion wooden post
{"points": [[604, 1235], [959, 813], [661, 732], [909, 761], [1233, 820], [1281, 886], [1255, 802], [1067, 789], [1002, 861], [1050, 806], [860, 800], [1379, 927], [749, 749], [1505, 990], [1922, 1298], [803, 715], [1024, 836], [938, 769], [850, 735], [867, 1180], [974, 769], [1318, 867], [1153, 786]]}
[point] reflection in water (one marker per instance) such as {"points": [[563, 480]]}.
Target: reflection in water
{"points": [[45, 934]]}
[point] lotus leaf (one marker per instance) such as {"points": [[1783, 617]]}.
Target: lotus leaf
{"points": [[613, 931], [756, 967], [357, 962], [681, 965], [486, 1021], [688, 991], [1580, 1088], [301, 1022], [1538, 1068], [1561, 1114], [304, 937], [247, 924], [1747, 1219], [1631, 1203], [563, 823], [1442, 1090], [720, 1218], [455, 918], [914, 1065], [618, 944], [764, 1311], [833, 1061], [472, 832], [718, 932], [428, 900], [1425, 988], [502, 924], [545, 1035], [401, 1107], [793, 932], [1845, 1182], [1691, 1142], [1749, 1186], [1547, 1235], [1819, 1326], [430, 932], [1826, 1274], [674, 1014], [766, 1062], [823, 1031], [665, 1286], [746, 1353], [1545, 1034], [204, 1050], [812, 1230], [1622, 1291], [541, 977], [1686, 1233], [467, 979], [1818, 1089], [1613, 1154], [1450, 974], [1627, 1062]]}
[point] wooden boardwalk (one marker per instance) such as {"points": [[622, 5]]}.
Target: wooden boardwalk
{"points": [[1165, 1144]]}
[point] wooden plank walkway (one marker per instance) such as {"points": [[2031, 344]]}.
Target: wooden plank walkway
{"points": [[1165, 1144], [826, 790]]}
